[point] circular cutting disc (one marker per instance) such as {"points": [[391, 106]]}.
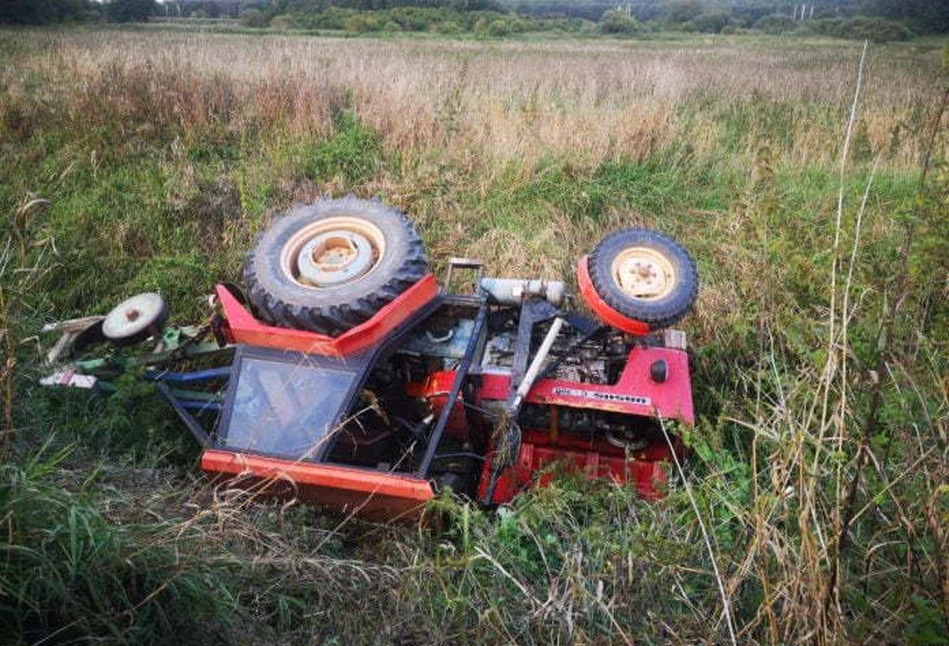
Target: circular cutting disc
{"points": [[135, 319]]}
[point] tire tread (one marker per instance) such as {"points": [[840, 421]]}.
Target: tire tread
{"points": [[345, 314], [656, 314]]}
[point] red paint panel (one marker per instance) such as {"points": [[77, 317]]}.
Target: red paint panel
{"points": [[368, 494], [242, 327], [601, 308], [648, 475], [657, 450], [435, 390], [635, 392]]}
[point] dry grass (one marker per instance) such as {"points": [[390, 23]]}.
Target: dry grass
{"points": [[593, 100]]}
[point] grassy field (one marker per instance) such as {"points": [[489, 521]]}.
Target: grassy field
{"points": [[820, 340]]}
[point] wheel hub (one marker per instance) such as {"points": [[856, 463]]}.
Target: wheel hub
{"points": [[334, 257], [643, 273], [332, 252], [134, 316]]}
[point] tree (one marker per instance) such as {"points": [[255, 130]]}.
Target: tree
{"points": [[683, 10], [776, 24], [617, 22], [252, 18], [130, 10], [39, 12], [713, 21], [925, 15]]}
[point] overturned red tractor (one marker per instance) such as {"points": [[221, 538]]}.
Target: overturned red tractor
{"points": [[347, 378]]}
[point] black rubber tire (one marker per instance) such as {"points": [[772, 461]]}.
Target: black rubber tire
{"points": [[657, 313], [280, 300]]}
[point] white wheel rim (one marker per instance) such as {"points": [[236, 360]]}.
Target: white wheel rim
{"points": [[643, 273], [133, 316], [332, 252]]}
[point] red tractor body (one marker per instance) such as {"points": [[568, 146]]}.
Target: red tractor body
{"points": [[353, 381], [554, 409]]}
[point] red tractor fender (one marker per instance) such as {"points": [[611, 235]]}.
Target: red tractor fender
{"points": [[242, 327], [601, 308]]}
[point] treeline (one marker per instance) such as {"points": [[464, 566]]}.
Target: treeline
{"points": [[879, 20], [201, 8], [743, 11], [855, 28], [315, 6], [440, 20], [42, 12], [839, 17]]}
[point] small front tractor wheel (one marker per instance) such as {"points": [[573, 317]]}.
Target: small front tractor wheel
{"points": [[331, 265], [645, 276], [135, 319]]}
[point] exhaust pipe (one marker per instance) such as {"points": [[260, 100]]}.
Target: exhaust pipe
{"points": [[511, 291]]}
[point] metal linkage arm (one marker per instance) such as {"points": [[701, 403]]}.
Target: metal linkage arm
{"points": [[463, 368]]}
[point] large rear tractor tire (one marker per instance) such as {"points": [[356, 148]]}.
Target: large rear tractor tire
{"points": [[329, 266], [645, 276]]}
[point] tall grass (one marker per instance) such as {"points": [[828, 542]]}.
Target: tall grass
{"points": [[814, 503], [71, 575], [512, 101]]}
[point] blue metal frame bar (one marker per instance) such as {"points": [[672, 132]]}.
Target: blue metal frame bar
{"points": [[188, 377], [199, 406], [196, 429]]}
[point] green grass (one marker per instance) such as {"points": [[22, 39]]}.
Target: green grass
{"points": [[108, 534], [86, 574]]}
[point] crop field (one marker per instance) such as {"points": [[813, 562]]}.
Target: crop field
{"points": [[812, 189]]}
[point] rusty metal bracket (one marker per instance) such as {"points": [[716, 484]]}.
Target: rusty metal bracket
{"points": [[71, 330], [455, 264]]}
